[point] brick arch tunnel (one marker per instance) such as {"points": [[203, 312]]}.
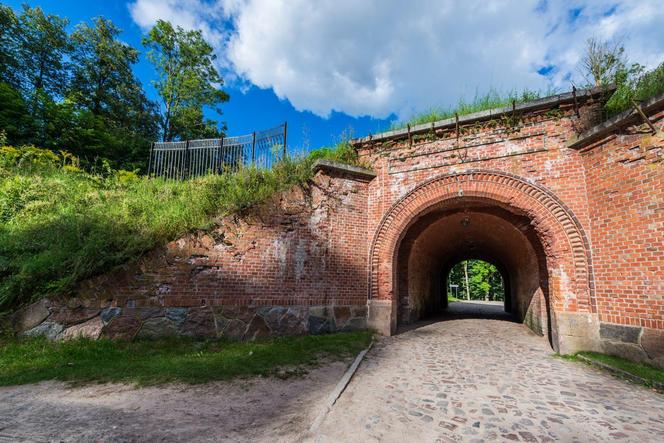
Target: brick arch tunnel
{"points": [[518, 224], [472, 228]]}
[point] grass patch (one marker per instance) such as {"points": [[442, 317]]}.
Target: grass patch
{"points": [[481, 102], [650, 374], [60, 225], [174, 360]]}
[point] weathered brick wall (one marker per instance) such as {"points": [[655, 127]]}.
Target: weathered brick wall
{"points": [[290, 266], [578, 227], [531, 147], [625, 189]]}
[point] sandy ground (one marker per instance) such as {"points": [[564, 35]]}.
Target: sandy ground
{"points": [[256, 410]]}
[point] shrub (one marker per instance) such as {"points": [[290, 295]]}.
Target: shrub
{"points": [[643, 87]]}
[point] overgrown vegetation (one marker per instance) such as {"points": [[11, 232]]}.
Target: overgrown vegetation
{"points": [[481, 102], [638, 88], [605, 63], [60, 224], [175, 360]]}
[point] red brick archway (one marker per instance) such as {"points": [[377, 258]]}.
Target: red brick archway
{"points": [[559, 232]]}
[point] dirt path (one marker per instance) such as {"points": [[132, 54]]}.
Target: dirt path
{"points": [[257, 410]]}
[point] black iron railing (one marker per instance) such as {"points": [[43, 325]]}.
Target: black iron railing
{"points": [[192, 158]]}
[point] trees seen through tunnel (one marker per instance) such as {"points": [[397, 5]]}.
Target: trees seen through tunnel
{"points": [[476, 280]]}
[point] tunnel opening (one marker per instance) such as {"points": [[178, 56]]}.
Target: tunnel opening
{"points": [[472, 231], [476, 283]]}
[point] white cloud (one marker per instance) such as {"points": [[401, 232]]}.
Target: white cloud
{"points": [[375, 57]]}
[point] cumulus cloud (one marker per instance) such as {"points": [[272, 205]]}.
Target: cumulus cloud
{"points": [[377, 57]]}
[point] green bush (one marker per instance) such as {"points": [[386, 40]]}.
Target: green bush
{"points": [[60, 225], [639, 89]]}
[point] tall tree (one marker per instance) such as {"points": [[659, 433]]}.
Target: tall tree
{"points": [[8, 62], [102, 80], [42, 43], [104, 84], [187, 80]]}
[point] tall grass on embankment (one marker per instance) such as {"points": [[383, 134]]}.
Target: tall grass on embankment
{"points": [[60, 224]]}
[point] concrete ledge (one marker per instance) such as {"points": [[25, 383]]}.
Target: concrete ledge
{"points": [[534, 105], [337, 168]]}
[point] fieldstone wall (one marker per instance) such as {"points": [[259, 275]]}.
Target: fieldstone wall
{"points": [[55, 321]]}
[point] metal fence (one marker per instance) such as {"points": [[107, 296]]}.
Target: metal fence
{"points": [[192, 158]]}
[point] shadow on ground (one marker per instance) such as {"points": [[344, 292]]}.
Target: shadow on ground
{"points": [[465, 310]]}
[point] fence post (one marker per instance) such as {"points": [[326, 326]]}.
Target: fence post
{"points": [[187, 162], [220, 159], [150, 159], [285, 138], [253, 150]]}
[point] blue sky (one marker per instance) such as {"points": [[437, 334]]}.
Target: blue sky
{"points": [[250, 108], [330, 67]]}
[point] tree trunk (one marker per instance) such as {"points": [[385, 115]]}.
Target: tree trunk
{"points": [[465, 270]]}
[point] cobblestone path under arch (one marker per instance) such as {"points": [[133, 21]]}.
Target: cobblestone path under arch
{"points": [[486, 380]]}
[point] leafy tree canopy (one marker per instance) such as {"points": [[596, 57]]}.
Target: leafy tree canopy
{"points": [[41, 44], [187, 80], [476, 280]]}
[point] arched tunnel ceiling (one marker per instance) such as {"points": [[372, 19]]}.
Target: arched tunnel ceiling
{"points": [[445, 236], [488, 233]]}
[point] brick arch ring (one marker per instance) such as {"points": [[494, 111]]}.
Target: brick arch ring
{"points": [[559, 231]]}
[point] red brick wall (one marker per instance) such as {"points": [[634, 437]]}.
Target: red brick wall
{"points": [[293, 265], [310, 259], [625, 188], [531, 147]]}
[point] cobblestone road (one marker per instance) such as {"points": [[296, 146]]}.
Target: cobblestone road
{"points": [[486, 380]]}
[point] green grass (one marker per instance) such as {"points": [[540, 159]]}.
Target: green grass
{"points": [[644, 371], [164, 361], [645, 86], [451, 298], [60, 225], [490, 100]]}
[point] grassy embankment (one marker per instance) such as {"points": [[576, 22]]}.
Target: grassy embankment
{"points": [[60, 225]]}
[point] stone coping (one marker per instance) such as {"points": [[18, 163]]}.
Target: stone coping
{"points": [[595, 133], [542, 103], [330, 166]]}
